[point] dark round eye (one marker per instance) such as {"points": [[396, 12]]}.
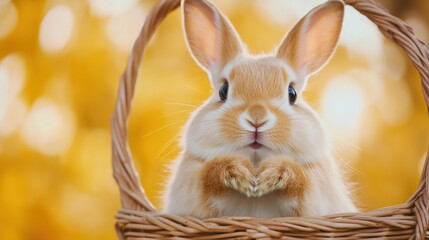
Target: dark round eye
{"points": [[223, 91], [292, 95]]}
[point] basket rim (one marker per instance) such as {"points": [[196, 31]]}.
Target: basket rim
{"points": [[133, 198]]}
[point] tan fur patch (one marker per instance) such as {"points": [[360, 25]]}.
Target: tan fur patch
{"points": [[257, 113], [258, 79], [220, 172]]}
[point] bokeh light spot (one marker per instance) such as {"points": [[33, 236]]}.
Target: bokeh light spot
{"points": [[8, 18], [56, 28], [13, 117], [110, 7], [361, 37], [12, 79], [343, 105], [12, 76], [391, 66], [286, 12], [123, 29], [49, 127]]}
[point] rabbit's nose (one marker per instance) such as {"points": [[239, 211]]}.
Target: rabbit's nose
{"points": [[256, 124], [257, 114], [257, 118]]}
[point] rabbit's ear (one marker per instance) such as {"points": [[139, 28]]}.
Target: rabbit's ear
{"points": [[311, 42], [211, 38]]}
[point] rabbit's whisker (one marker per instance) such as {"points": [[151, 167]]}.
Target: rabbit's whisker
{"points": [[163, 127]]}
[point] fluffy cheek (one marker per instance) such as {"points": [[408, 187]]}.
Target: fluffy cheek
{"points": [[205, 134], [298, 134], [307, 137], [279, 137], [230, 127]]}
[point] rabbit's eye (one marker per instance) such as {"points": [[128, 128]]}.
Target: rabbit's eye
{"points": [[292, 95], [223, 91]]}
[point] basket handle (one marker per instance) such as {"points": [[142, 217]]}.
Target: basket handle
{"points": [[403, 35], [132, 193], [133, 196]]}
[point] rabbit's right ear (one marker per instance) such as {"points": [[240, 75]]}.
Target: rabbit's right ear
{"points": [[312, 41], [211, 38]]}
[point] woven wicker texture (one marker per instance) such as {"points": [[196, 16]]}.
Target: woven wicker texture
{"points": [[139, 220]]}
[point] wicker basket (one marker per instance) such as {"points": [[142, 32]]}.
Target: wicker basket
{"points": [[139, 220]]}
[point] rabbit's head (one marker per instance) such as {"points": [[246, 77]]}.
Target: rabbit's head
{"points": [[257, 109]]}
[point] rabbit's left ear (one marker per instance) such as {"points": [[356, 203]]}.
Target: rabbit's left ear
{"points": [[211, 38], [311, 42]]}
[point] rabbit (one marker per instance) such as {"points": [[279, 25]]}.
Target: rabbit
{"points": [[255, 147]]}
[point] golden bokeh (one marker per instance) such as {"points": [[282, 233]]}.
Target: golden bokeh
{"points": [[60, 63]]}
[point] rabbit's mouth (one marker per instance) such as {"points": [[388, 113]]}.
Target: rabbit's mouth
{"points": [[255, 145]]}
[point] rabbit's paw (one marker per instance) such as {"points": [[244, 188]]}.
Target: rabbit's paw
{"points": [[237, 174], [280, 173]]}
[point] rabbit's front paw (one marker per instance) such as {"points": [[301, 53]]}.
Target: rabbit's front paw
{"points": [[238, 175], [280, 173], [227, 173]]}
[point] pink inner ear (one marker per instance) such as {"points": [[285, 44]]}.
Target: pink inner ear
{"points": [[201, 32], [322, 37], [312, 41], [204, 10], [212, 40]]}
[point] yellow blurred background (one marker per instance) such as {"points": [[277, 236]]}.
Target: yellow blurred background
{"points": [[60, 63]]}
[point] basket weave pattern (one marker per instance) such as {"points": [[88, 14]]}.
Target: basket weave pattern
{"points": [[139, 220]]}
